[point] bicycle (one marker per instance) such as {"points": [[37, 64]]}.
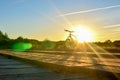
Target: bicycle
{"points": [[71, 40]]}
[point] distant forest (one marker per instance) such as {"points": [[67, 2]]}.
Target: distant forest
{"points": [[32, 44]]}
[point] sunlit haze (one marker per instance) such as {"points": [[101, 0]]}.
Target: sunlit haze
{"points": [[47, 19], [83, 34]]}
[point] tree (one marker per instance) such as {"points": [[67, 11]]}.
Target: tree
{"points": [[117, 43], [1, 35], [4, 40], [108, 43], [47, 44]]}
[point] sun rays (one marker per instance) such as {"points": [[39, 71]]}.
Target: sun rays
{"points": [[102, 60], [95, 57]]}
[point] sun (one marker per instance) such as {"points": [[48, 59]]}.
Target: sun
{"points": [[83, 34]]}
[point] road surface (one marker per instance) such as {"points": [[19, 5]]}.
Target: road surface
{"points": [[11, 69]]}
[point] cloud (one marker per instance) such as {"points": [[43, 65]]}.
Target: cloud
{"points": [[112, 26], [90, 10]]}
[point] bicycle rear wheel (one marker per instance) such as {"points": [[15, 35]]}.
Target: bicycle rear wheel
{"points": [[71, 42]]}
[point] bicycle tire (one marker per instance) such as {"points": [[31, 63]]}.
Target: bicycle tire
{"points": [[71, 42]]}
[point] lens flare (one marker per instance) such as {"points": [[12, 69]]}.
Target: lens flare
{"points": [[21, 46]]}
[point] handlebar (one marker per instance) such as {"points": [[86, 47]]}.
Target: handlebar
{"points": [[68, 31]]}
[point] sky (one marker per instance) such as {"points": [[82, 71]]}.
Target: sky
{"points": [[47, 19]]}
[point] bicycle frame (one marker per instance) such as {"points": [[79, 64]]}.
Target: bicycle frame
{"points": [[71, 40]]}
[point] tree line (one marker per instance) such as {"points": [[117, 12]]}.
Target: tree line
{"points": [[32, 44]]}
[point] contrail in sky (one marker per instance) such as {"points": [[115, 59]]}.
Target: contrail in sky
{"points": [[90, 10], [112, 26]]}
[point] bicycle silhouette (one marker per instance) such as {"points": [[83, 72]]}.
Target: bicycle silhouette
{"points": [[71, 41]]}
